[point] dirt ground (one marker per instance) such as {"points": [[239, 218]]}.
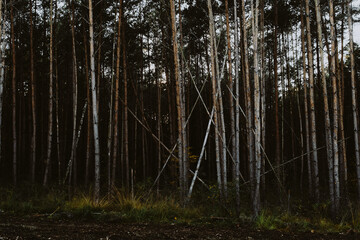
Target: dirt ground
{"points": [[38, 227]]}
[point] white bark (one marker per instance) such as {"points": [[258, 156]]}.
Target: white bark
{"points": [[94, 107]]}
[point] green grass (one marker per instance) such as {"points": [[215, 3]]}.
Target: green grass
{"points": [[205, 208]]}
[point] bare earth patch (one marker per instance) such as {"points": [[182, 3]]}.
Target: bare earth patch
{"points": [[38, 227]]}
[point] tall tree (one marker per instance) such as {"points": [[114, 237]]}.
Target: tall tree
{"points": [[13, 85], [305, 86], [237, 109], [74, 91], [94, 107], [116, 99], [335, 134], [312, 103], [354, 93], [257, 120], [329, 146], [50, 106], [33, 103]]}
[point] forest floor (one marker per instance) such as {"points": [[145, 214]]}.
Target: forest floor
{"points": [[43, 227]]}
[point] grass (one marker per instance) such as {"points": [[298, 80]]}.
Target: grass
{"points": [[205, 209]]}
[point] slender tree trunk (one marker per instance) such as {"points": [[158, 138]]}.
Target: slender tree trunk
{"points": [[305, 85], [2, 66], [215, 99], [354, 94], [237, 110], [74, 95], [13, 85], [249, 117], [110, 126], [326, 105], [231, 87], [263, 93], [335, 134], [94, 108], [88, 97], [179, 102], [277, 130], [50, 125], [33, 110], [257, 120], [312, 103], [126, 128]]}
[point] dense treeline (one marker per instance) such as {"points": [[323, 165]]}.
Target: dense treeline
{"points": [[259, 97]]}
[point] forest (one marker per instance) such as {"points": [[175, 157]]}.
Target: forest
{"points": [[240, 105]]}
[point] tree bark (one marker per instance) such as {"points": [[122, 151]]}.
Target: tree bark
{"points": [[329, 146], [94, 108], [335, 134], [312, 103]]}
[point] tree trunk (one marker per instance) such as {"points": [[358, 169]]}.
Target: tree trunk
{"points": [[179, 102], [312, 103], [126, 128], [94, 108], [13, 85], [33, 110], [335, 134], [305, 85], [354, 94], [329, 146], [231, 87], [74, 95], [237, 111], [215, 98], [277, 130], [2, 66]]}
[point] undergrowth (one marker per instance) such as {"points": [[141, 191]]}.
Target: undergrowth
{"points": [[156, 208]]}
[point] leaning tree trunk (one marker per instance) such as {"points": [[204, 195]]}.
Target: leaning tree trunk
{"points": [[74, 95], [312, 103], [326, 104], [94, 107]]}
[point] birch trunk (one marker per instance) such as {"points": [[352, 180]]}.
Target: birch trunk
{"points": [[94, 108], [329, 146], [215, 98], [335, 135]]}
